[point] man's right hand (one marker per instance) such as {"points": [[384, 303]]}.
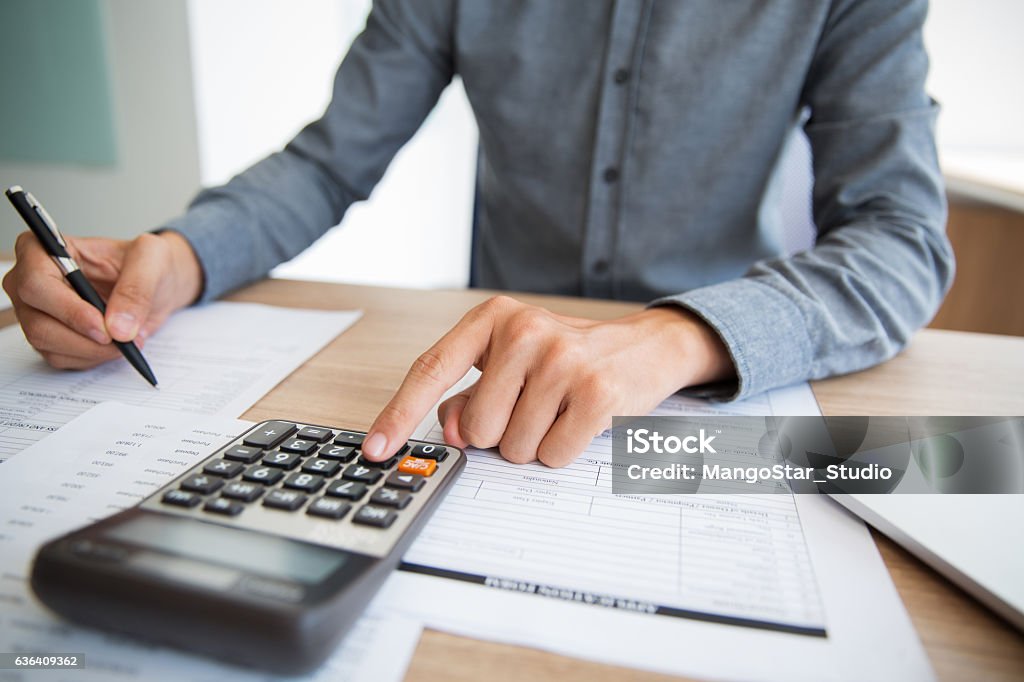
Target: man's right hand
{"points": [[143, 281]]}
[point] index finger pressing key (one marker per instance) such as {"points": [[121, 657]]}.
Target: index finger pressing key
{"points": [[433, 373]]}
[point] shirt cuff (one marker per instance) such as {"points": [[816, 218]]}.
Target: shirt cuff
{"points": [[762, 329], [223, 268]]}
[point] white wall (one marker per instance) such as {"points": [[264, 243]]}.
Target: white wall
{"points": [[977, 73], [157, 170], [263, 69], [977, 55]]}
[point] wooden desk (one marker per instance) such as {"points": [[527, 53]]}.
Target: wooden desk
{"points": [[940, 373]]}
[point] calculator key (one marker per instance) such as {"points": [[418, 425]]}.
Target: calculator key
{"points": [[284, 499], [389, 497], [246, 492], [359, 472], [342, 453], [412, 482], [243, 453], [384, 464], [332, 509], [324, 467], [282, 460], [201, 483], [223, 468], [430, 451], [369, 515], [262, 474], [349, 438], [269, 435], [224, 506], [320, 435], [309, 483], [350, 490], [300, 446], [180, 498], [415, 465]]}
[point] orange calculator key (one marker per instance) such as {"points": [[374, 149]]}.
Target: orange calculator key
{"points": [[416, 465]]}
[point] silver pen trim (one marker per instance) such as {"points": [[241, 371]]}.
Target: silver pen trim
{"points": [[66, 264], [50, 223]]}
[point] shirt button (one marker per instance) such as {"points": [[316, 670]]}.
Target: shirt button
{"points": [[611, 174], [600, 267], [621, 76]]}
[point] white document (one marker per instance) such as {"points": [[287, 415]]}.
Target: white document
{"points": [[754, 587], [218, 358], [104, 461], [565, 530]]}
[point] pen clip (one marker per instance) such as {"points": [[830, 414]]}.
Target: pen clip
{"points": [[47, 220]]}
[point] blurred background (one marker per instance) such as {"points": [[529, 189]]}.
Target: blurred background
{"points": [[115, 112]]}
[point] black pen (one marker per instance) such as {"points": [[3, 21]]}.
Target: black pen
{"points": [[45, 230]]}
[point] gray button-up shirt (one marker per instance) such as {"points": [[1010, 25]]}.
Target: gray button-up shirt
{"points": [[626, 151]]}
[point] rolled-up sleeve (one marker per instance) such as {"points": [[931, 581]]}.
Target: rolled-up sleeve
{"points": [[881, 263]]}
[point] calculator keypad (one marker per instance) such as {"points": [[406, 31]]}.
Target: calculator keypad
{"points": [[202, 484], [222, 505], [223, 468], [324, 467], [362, 473], [430, 451], [263, 474], [342, 453], [350, 490], [292, 471], [369, 515], [300, 446], [402, 481], [309, 483], [270, 434], [282, 460], [327, 507], [389, 497], [349, 438], [243, 453], [415, 465], [240, 490], [316, 433], [181, 498], [284, 499]]}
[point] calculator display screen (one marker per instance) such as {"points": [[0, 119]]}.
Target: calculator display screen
{"points": [[246, 550]]}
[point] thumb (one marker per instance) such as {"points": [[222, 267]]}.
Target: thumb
{"points": [[133, 292], [449, 414]]}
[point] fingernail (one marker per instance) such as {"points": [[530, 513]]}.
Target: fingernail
{"points": [[123, 326], [373, 447], [99, 336]]}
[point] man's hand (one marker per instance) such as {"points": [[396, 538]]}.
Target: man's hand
{"points": [[143, 281], [549, 383]]}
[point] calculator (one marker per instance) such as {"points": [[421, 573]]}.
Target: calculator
{"points": [[263, 554]]}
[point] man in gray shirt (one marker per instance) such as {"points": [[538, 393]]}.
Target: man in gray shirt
{"points": [[626, 151]]}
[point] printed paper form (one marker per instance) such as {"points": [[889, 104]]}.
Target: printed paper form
{"points": [[869, 634], [218, 358], [728, 558], [104, 461]]}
